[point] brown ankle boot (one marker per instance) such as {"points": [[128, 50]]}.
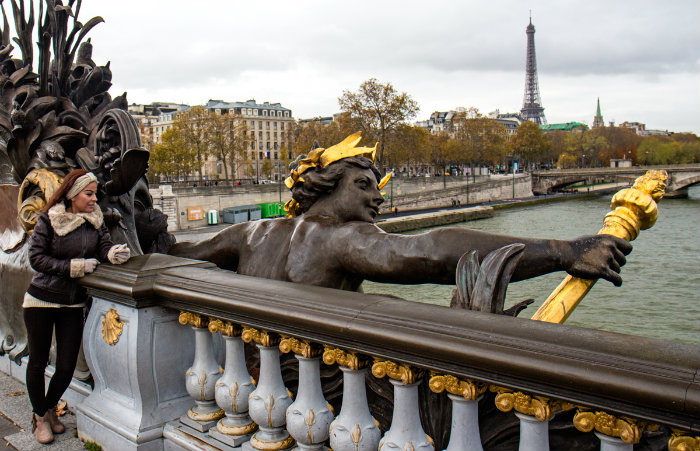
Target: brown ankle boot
{"points": [[56, 426], [42, 428]]}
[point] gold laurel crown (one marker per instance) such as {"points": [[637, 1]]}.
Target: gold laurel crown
{"points": [[321, 158]]}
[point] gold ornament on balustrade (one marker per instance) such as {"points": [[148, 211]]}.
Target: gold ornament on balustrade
{"points": [[262, 445], [261, 337], [111, 327], [205, 416], [303, 348], [543, 409], [237, 430], [627, 429], [680, 441], [398, 372], [193, 319], [348, 359], [469, 389], [225, 327]]}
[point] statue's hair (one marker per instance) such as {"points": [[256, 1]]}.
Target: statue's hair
{"points": [[320, 182]]}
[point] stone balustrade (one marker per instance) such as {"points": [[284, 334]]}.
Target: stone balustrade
{"points": [[177, 376]]}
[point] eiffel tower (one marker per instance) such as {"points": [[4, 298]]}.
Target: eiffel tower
{"points": [[532, 104]]}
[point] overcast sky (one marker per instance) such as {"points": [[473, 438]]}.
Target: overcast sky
{"points": [[642, 58]]}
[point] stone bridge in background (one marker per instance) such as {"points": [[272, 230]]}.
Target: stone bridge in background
{"points": [[680, 178]]}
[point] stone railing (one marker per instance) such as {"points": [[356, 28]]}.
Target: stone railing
{"points": [[165, 341]]}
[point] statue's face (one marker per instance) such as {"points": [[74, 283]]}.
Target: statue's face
{"points": [[357, 197]]}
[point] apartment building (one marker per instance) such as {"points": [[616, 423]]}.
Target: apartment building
{"points": [[268, 125], [154, 118]]}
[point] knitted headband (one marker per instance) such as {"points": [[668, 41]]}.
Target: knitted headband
{"points": [[80, 184]]}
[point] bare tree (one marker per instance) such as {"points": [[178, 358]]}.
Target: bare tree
{"points": [[379, 109]]}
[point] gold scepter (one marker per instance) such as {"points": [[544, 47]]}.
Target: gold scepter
{"points": [[633, 209]]}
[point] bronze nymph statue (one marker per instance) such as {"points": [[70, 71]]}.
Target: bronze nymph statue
{"points": [[329, 237]]}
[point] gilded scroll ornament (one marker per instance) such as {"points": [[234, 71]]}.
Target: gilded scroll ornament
{"points": [[469, 389], [349, 359], [29, 205], [403, 373], [225, 327], [303, 348], [681, 442], [193, 320], [536, 406], [260, 337], [627, 429], [633, 209], [111, 327]]}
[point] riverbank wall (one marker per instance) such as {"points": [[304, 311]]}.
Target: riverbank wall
{"points": [[454, 216], [187, 207], [434, 219]]}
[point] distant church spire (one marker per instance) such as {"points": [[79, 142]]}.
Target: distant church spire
{"points": [[532, 104], [598, 119]]}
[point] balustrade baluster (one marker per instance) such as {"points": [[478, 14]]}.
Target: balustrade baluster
{"points": [[534, 434], [233, 389], [269, 401], [406, 431], [354, 429], [615, 434], [464, 431], [534, 413], [201, 377], [309, 416]]}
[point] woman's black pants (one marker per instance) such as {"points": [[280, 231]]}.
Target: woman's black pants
{"points": [[41, 322]]}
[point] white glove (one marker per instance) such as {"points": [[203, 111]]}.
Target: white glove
{"points": [[118, 254], [90, 265]]}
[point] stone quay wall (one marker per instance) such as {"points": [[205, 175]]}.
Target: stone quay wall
{"points": [[434, 219], [403, 193]]}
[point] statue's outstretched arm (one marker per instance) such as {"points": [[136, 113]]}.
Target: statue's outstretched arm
{"points": [[432, 257], [222, 249]]}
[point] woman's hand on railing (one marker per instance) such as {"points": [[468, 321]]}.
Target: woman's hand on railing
{"points": [[118, 254]]}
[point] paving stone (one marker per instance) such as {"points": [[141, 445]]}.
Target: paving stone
{"points": [[16, 410]]}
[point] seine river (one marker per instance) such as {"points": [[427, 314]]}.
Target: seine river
{"points": [[660, 294]]}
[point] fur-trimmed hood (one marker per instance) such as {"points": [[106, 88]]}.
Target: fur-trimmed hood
{"points": [[64, 222]]}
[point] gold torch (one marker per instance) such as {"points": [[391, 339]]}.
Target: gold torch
{"points": [[633, 209]]}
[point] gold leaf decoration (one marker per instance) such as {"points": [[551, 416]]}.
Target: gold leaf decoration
{"points": [[627, 429], [111, 327], [681, 441], [403, 373], [225, 327], [260, 337], [303, 348], [193, 320], [543, 409], [469, 389], [348, 359]]}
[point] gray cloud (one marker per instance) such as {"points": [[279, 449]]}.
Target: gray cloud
{"points": [[445, 54]]}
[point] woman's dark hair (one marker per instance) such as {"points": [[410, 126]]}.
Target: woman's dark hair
{"points": [[60, 194], [319, 182]]}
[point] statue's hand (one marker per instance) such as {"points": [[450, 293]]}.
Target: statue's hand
{"points": [[598, 257]]}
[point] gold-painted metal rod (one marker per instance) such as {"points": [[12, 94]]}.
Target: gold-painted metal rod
{"points": [[633, 209]]}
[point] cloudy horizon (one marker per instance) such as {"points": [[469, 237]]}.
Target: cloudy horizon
{"points": [[641, 58]]}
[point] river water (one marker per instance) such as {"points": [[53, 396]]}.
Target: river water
{"points": [[660, 294]]}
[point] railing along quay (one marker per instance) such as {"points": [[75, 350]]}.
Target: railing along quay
{"points": [[159, 384]]}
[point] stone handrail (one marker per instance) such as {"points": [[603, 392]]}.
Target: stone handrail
{"points": [[648, 379]]}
